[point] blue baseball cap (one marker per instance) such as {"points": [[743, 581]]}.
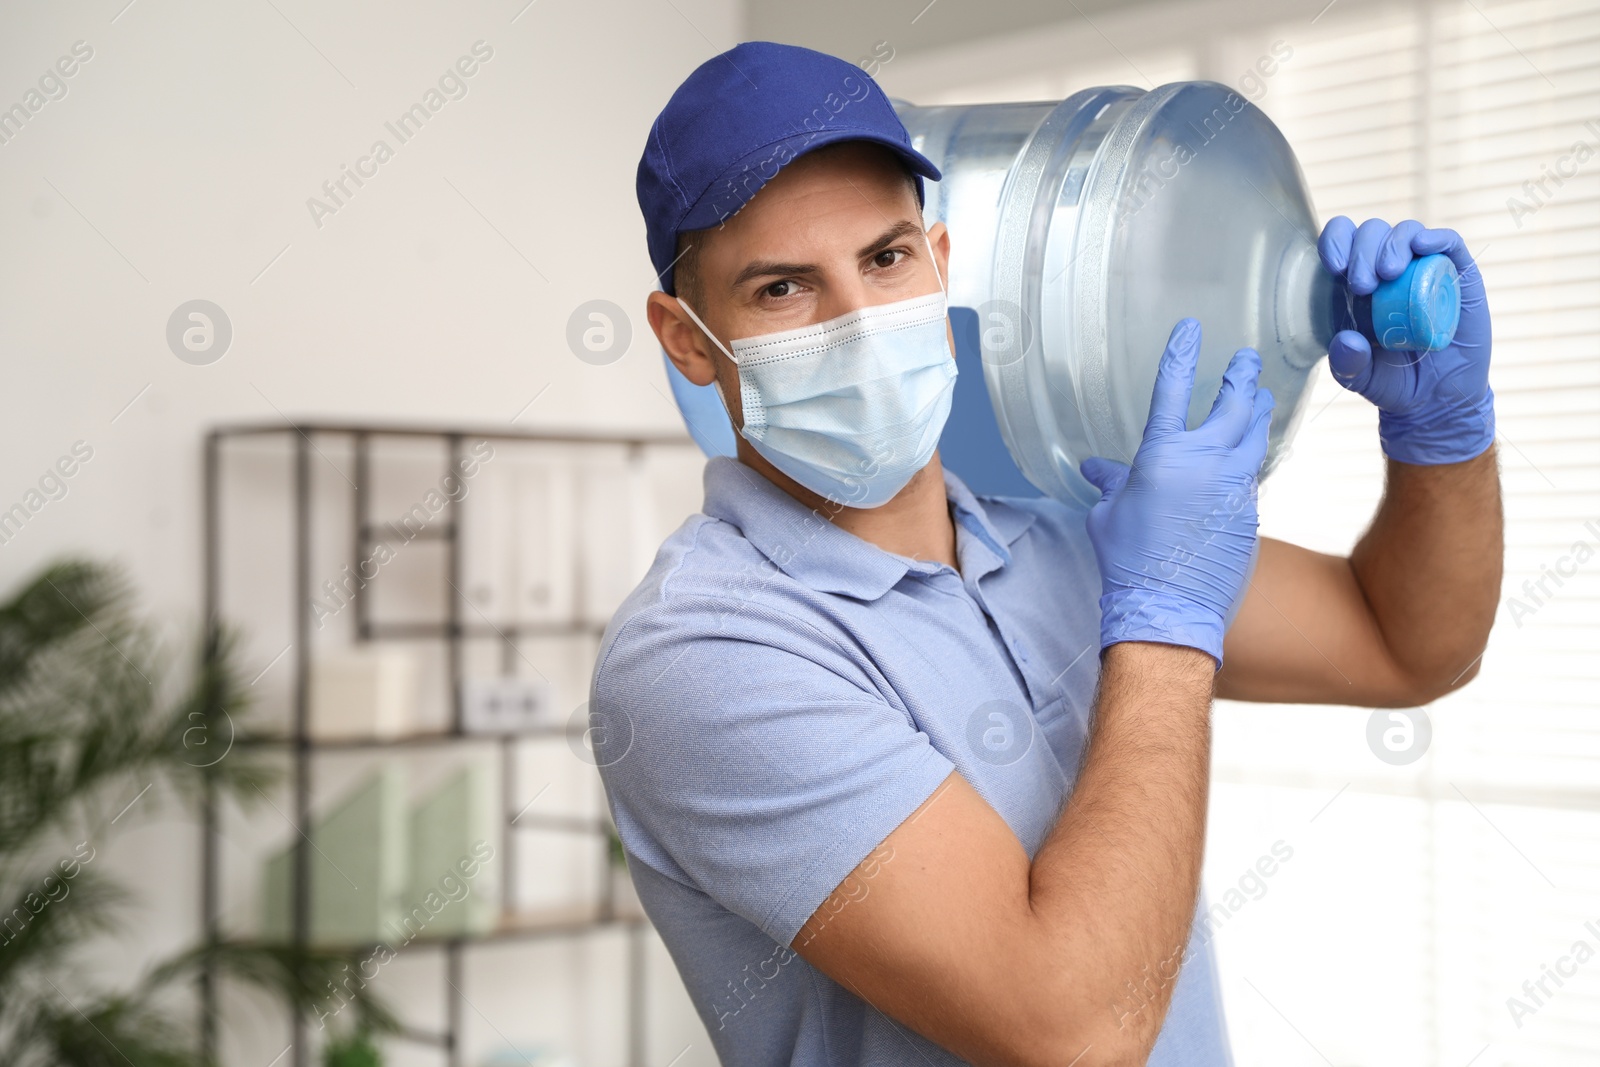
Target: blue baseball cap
{"points": [[740, 117]]}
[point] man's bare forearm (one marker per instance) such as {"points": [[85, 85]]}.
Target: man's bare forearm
{"points": [[1117, 879], [1430, 567]]}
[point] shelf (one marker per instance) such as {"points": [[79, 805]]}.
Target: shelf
{"points": [[452, 634], [574, 437], [371, 532], [560, 921], [569, 823], [410, 740], [423, 629], [556, 922]]}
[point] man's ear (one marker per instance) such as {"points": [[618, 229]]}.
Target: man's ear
{"points": [[682, 340]]}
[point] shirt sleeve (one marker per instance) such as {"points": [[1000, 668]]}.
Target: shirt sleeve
{"points": [[760, 757]]}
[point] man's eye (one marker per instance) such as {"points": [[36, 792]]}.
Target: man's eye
{"points": [[887, 258], [779, 290]]}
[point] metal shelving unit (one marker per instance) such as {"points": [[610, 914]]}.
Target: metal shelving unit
{"points": [[301, 748]]}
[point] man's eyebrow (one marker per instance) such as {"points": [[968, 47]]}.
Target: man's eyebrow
{"points": [[767, 268], [903, 228]]}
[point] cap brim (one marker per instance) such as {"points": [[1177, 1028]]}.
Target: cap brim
{"points": [[745, 177]]}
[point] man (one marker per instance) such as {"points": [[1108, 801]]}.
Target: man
{"points": [[879, 802]]}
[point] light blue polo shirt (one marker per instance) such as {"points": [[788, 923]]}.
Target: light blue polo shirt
{"points": [[778, 695]]}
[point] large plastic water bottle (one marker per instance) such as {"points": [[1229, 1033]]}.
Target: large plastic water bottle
{"points": [[1082, 231]]}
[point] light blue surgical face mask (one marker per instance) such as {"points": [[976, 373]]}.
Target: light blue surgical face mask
{"points": [[853, 407]]}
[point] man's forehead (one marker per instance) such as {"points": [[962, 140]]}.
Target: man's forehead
{"points": [[841, 198]]}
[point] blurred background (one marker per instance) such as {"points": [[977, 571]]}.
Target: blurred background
{"points": [[254, 360]]}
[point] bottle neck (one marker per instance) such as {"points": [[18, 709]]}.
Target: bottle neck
{"points": [[1311, 305]]}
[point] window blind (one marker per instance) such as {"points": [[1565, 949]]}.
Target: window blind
{"points": [[1429, 913], [1473, 871]]}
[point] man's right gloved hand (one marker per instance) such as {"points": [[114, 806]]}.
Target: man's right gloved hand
{"points": [[1175, 534]]}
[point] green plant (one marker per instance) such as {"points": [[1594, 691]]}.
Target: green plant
{"points": [[355, 1050], [614, 849], [94, 719]]}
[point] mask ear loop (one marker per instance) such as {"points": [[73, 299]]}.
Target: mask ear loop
{"points": [[717, 382], [935, 261]]}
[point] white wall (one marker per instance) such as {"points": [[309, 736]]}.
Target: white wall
{"points": [[178, 166]]}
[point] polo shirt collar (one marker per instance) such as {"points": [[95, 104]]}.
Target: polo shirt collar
{"points": [[815, 552], [998, 524]]}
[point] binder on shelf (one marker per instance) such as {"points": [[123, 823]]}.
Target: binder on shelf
{"points": [[542, 572], [455, 880], [517, 537], [357, 865], [487, 540], [616, 511]]}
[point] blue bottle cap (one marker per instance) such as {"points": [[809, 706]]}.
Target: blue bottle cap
{"points": [[1420, 309]]}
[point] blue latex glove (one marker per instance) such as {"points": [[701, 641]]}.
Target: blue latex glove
{"points": [[1433, 407], [1175, 534]]}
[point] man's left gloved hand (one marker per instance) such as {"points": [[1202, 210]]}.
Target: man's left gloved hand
{"points": [[1433, 407]]}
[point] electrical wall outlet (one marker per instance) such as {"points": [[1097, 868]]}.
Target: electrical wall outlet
{"points": [[505, 705]]}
